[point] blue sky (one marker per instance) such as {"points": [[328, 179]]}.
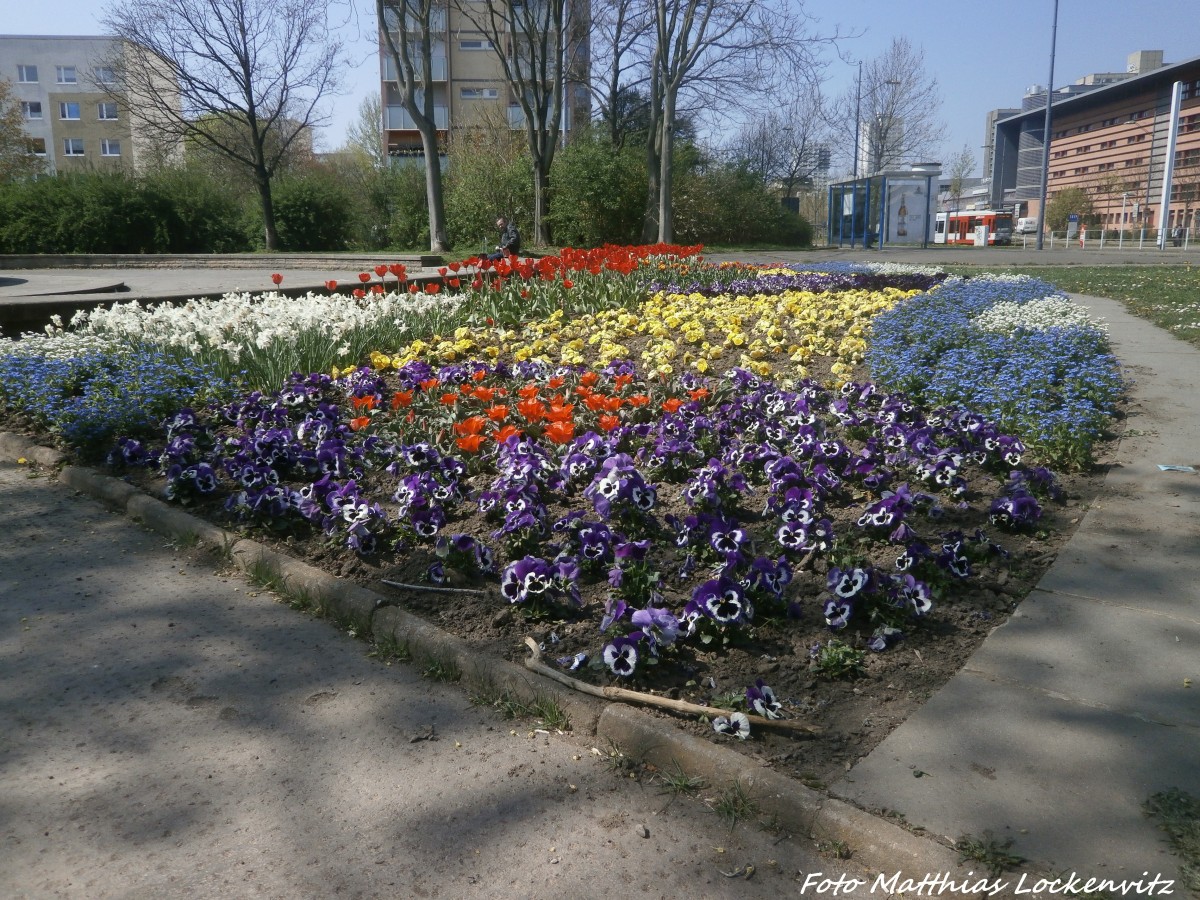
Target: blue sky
{"points": [[984, 54]]}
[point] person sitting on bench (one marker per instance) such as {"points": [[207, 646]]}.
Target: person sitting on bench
{"points": [[510, 240]]}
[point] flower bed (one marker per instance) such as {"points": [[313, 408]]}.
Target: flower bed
{"points": [[689, 495], [1011, 348]]}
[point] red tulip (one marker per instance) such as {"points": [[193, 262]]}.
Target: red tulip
{"points": [[398, 269], [331, 286], [364, 277], [381, 270], [277, 278]]}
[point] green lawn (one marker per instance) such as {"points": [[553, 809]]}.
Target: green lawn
{"points": [[1168, 296]]}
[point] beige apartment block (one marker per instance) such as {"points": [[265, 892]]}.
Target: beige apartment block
{"points": [[469, 87], [65, 88]]}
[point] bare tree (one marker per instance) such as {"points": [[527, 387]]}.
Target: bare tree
{"points": [[620, 31], [206, 69], [409, 38], [894, 107], [17, 159], [958, 171], [537, 42], [365, 133], [717, 52], [788, 145]]}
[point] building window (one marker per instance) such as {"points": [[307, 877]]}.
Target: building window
{"points": [[68, 110], [27, 74], [476, 45], [72, 146], [106, 112], [37, 146], [110, 147], [104, 75], [31, 109], [479, 93], [66, 74]]}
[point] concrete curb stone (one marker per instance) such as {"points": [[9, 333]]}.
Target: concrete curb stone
{"points": [[875, 842]]}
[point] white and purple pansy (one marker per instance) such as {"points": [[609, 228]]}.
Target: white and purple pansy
{"points": [[621, 654], [762, 700], [736, 724], [837, 612]]}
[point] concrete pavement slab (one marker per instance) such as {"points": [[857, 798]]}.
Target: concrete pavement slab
{"points": [[1065, 780], [1101, 655]]}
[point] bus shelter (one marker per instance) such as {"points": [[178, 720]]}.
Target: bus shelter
{"points": [[892, 207]]}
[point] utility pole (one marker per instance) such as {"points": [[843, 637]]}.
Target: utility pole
{"points": [[1046, 131]]}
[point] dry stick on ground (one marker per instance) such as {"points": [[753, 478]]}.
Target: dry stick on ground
{"points": [[535, 664]]}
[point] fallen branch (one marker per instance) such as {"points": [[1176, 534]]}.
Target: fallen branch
{"points": [[534, 663], [430, 588]]}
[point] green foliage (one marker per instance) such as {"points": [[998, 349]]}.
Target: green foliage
{"points": [[488, 174], [726, 206], [598, 194], [313, 211], [837, 659], [989, 851], [199, 215], [1178, 814], [167, 212], [404, 205], [1065, 202]]}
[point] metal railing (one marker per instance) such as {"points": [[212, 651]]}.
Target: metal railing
{"points": [[1109, 239]]}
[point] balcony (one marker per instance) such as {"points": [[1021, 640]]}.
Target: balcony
{"points": [[389, 68], [437, 21], [396, 118]]}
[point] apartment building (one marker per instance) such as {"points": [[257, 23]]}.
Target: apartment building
{"points": [[469, 87], [64, 85], [1109, 140]]}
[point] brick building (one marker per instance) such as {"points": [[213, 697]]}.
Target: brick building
{"points": [[1109, 139]]}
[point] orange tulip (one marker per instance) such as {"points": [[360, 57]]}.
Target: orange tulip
{"points": [[589, 378], [532, 409], [359, 423], [470, 443], [672, 405], [470, 425], [483, 394], [530, 390], [608, 423], [506, 432], [402, 399], [429, 384], [560, 432], [449, 399]]}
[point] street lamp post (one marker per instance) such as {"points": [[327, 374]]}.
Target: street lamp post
{"points": [[1046, 132], [1121, 239]]}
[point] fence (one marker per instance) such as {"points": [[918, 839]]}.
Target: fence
{"points": [[1125, 239]]}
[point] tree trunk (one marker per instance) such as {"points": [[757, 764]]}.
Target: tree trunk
{"points": [[541, 206], [270, 235], [666, 216], [439, 242]]}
